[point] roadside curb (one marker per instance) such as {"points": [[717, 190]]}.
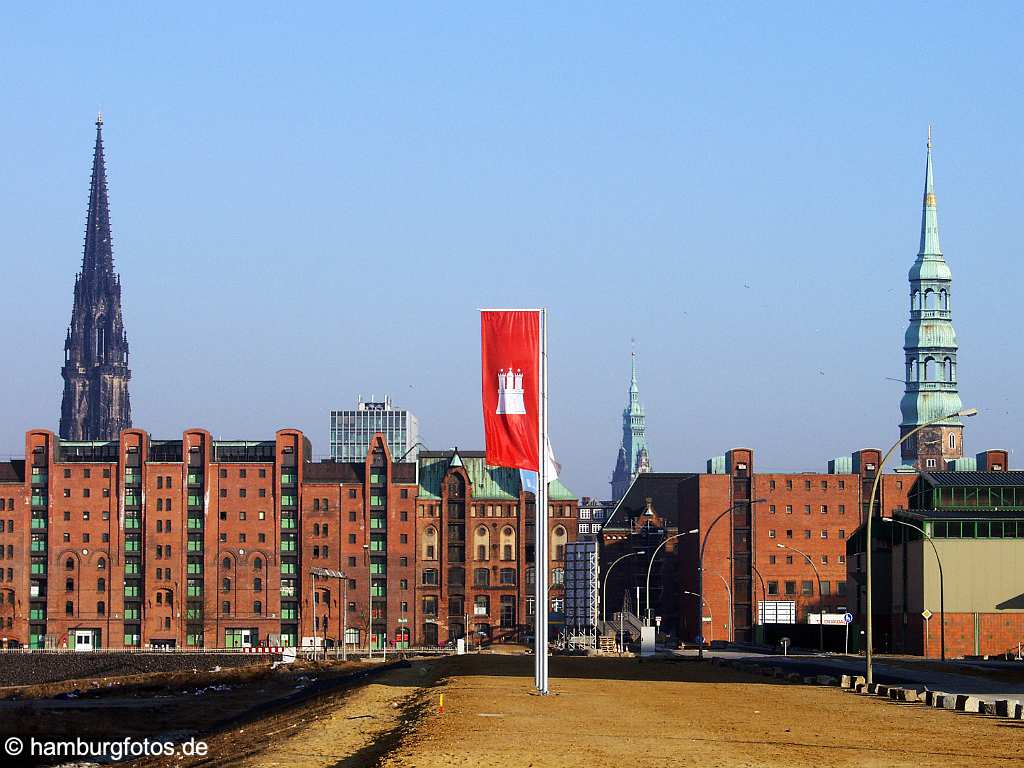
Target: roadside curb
{"points": [[1009, 709]]}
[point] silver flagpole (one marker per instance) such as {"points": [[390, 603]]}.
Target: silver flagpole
{"points": [[541, 517]]}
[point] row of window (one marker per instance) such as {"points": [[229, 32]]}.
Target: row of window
{"points": [[773, 559], [822, 508], [9, 504], [806, 588], [807, 533], [86, 493], [822, 484]]}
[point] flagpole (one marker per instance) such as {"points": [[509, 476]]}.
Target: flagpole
{"points": [[540, 556]]}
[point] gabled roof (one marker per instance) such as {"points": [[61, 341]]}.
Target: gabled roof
{"points": [[12, 471], [498, 483], [333, 472]]}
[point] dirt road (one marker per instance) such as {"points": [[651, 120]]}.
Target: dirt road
{"points": [[605, 713]]}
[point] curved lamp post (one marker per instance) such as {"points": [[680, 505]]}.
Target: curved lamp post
{"points": [[604, 589], [650, 565], [700, 566], [821, 603], [764, 592], [728, 593], [942, 599], [702, 603], [870, 647]]}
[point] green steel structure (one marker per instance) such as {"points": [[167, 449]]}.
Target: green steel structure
{"points": [[930, 348]]}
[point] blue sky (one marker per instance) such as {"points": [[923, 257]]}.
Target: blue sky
{"points": [[311, 203]]}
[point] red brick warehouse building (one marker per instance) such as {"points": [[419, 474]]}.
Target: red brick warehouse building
{"points": [[209, 543], [750, 581]]}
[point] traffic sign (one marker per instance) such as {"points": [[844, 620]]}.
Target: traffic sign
{"points": [[848, 618], [926, 614]]}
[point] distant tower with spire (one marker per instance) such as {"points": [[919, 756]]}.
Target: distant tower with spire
{"points": [[930, 349], [633, 457], [95, 405]]}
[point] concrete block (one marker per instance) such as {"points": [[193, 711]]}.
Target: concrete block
{"points": [[987, 708], [846, 681], [949, 700], [894, 694], [909, 695], [859, 680], [967, 703], [882, 690], [861, 688]]}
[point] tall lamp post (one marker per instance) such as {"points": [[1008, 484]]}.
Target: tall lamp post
{"points": [[604, 589], [728, 594], [821, 602], [764, 592], [870, 647], [942, 599], [700, 566], [701, 602], [650, 565]]}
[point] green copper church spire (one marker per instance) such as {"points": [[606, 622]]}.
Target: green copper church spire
{"points": [[930, 347], [633, 457]]}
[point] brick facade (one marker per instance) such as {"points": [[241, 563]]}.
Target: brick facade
{"points": [[204, 543]]}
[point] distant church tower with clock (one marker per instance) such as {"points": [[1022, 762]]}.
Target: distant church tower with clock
{"points": [[930, 348], [633, 457], [95, 405]]}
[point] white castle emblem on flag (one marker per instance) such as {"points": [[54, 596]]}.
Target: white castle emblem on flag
{"points": [[510, 392]]}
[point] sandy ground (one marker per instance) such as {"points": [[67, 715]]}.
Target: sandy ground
{"points": [[612, 712], [603, 712]]}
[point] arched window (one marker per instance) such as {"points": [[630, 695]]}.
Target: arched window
{"points": [[257, 584], [943, 299], [101, 608], [226, 585], [558, 541], [430, 544], [952, 441], [101, 585], [257, 564], [69, 585], [69, 564], [101, 336], [481, 540], [101, 564], [947, 367], [508, 543], [929, 369], [316, 529], [929, 299], [481, 577], [257, 607], [915, 301], [226, 564], [159, 598]]}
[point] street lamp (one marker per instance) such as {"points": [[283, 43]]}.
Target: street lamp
{"points": [[651, 565], [702, 602], [942, 599], [700, 566], [821, 602], [869, 649], [604, 589], [728, 594], [764, 592]]}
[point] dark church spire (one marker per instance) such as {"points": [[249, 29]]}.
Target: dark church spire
{"points": [[95, 404]]}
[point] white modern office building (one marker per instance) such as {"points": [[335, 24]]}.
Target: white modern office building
{"points": [[351, 430]]}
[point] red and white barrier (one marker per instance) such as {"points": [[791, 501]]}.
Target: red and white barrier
{"points": [[264, 649]]}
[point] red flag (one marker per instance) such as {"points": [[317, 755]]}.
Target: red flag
{"points": [[510, 354]]}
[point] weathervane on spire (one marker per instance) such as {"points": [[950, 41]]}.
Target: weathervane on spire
{"points": [[929, 136], [99, 117]]}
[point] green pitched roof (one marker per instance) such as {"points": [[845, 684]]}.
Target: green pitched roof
{"points": [[498, 483]]}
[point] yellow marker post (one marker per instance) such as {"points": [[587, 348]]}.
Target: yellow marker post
{"points": [[440, 706]]}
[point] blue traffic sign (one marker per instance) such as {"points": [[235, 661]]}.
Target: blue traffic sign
{"points": [[848, 618]]}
